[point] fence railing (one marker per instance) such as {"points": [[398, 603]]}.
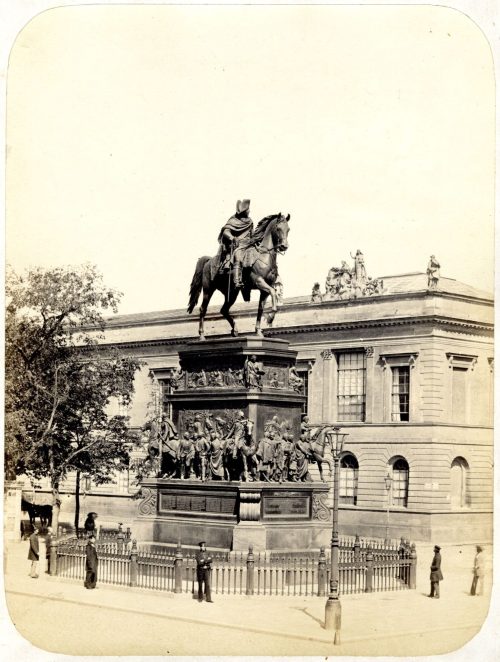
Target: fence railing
{"points": [[284, 574]]}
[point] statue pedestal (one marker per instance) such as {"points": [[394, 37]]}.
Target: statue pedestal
{"points": [[233, 515], [221, 379], [214, 384]]}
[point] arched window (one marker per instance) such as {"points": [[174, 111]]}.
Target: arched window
{"points": [[400, 481], [348, 485], [459, 493]]}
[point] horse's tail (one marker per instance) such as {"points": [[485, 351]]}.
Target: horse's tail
{"points": [[196, 283]]}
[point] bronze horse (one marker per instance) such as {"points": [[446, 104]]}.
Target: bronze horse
{"points": [[318, 442], [237, 458], [260, 271]]}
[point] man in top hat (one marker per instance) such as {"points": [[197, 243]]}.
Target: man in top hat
{"points": [[234, 236], [436, 574], [91, 563], [34, 553], [203, 570]]}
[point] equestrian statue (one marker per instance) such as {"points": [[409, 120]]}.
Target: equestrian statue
{"points": [[246, 260]]}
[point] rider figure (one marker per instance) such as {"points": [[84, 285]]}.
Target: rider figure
{"points": [[237, 433], [233, 238]]}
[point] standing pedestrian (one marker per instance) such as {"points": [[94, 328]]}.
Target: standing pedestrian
{"points": [[91, 564], [203, 570], [436, 574], [48, 543], [34, 553], [478, 571]]}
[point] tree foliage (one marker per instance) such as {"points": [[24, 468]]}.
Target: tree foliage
{"points": [[60, 384]]}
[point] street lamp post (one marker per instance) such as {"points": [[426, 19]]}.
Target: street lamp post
{"points": [[388, 485], [333, 610]]}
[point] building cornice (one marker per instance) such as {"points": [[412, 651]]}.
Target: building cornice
{"points": [[248, 310], [453, 324]]}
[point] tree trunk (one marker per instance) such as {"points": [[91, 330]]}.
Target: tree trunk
{"points": [[77, 502], [56, 506]]}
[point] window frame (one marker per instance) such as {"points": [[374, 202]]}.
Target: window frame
{"points": [[388, 361], [344, 480], [398, 501], [341, 417]]}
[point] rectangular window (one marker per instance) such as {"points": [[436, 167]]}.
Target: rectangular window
{"points": [[351, 393], [348, 485], [400, 394], [459, 395]]}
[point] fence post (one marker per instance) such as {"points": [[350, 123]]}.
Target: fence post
{"points": [[369, 569], [128, 534], [53, 556], [413, 567], [133, 564], [178, 569], [356, 549], [322, 572], [120, 538], [250, 569]]}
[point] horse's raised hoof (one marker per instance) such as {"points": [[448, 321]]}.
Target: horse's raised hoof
{"points": [[270, 319], [234, 333], [202, 337]]}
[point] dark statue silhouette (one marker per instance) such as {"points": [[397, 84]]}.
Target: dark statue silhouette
{"points": [[259, 272]]}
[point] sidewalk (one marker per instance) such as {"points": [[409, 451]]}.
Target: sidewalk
{"points": [[366, 618]]}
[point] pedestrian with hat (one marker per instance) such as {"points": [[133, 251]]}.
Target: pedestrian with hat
{"points": [[91, 563], [478, 572], [203, 571], [436, 574], [34, 553]]}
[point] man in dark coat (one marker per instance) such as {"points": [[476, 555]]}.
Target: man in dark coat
{"points": [[34, 553], [203, 571], [91, 564], [436, 574], [48, 543]]}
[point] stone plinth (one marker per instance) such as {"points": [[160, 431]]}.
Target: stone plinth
{"points": [[233, 514], [214, 386], [214, 383]]}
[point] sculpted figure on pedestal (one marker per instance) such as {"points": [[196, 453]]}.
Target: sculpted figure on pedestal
{"points": [[253, 372], [316, 296], [176, 377], [295, 380], [185, 455], [216, 456], [433, 273]]}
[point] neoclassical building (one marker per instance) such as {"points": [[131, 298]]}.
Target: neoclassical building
{"points": [[406, 370]]}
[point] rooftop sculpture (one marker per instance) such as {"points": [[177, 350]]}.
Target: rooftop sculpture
{"points": [[346, 283]]}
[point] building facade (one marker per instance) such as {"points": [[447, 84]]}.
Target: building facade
{"points": [[406, 370]]}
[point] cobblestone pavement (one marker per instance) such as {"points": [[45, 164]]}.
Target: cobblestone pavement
{"points": [[393, 623]]}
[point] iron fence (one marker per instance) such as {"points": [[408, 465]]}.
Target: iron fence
{"points": [[238, 573]]}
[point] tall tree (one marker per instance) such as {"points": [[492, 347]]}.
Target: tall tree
{"points": [[59, 385]]}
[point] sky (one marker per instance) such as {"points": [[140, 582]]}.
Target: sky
{"points": [[133, 130]]}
